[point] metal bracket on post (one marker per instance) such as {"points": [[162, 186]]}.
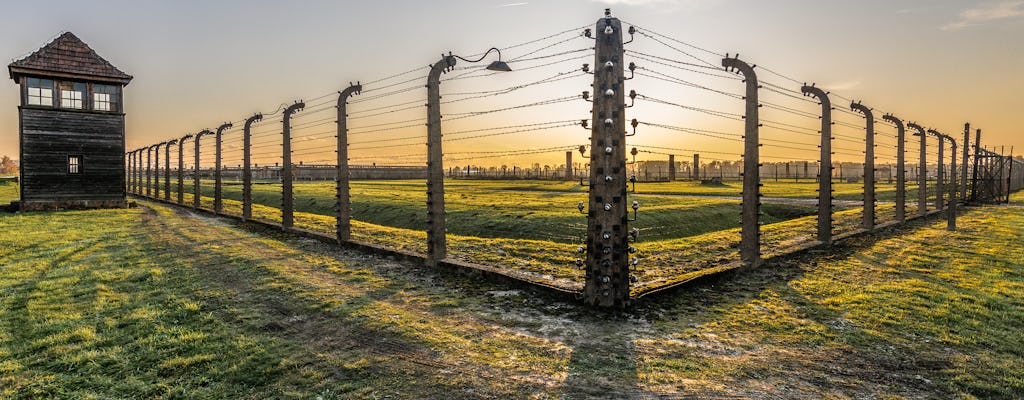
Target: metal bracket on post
{"points": [[247, 166], [750, 231], [922, 171], [869, 166], [825, 171], [343, 202], [167, 169], [287, 171], [181, 168], [940, 175], [901, 168], [196, 190], [218, 201]]}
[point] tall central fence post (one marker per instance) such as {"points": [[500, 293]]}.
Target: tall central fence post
{"points": [[218, 200], [941, 174], [343, 203], [825, 171], [901, 168], [607, 244], [181, 168], [247, 165], [869, 166], [196, 189], [167, 169], [750, 241], [922, 171], [287, 172]]}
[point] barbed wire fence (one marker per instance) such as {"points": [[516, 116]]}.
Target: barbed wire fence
{"points": [[669, 124]]}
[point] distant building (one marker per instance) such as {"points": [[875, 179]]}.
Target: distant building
{"points": [[71, 127]]}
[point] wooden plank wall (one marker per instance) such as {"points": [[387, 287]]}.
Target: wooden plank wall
{"points": [[49, 136]]}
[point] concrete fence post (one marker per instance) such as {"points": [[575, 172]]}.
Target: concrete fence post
{"points": [[901, 168], [825, 162], [977, 160], [963, 165], [568, 166], [247, 166], [869, 165], [922, 171], [437, 243], [607, 243], [671, 167], [197, 191], [181, 168], [343, 203], [750, 233], [156, 171], [218, 199], [149, 171], [940, 176], [696, 167], [167, 169], [287, 169], [953, 189]]}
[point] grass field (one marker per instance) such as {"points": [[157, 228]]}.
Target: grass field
{"points": [[531, 228], [8, 192], [157, 302]]}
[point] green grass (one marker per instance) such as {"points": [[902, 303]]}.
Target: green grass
{"points": [[8, 192], [159, 303], [531, 228]]}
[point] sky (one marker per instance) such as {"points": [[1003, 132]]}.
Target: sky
{"points": [[198, 64]]}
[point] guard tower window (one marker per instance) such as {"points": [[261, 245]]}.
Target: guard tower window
{"points": [[71, 94], [40, 92], [74, 164], [104, 97]]}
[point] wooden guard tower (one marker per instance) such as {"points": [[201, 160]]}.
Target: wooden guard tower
{"points": [[71, 127]]}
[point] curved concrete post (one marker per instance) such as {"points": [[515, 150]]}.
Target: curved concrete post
{"points": [[196, 190], [343, 201], [156, 171], [922, 171], [437, 244], [940, 176], [869, 165], [953, 189], [825, 171], [287, 171], [963, 165], [750, 240], [149, 170], [247, 166], [167, 169], [218, 201], [901, 168], [181, 168]]}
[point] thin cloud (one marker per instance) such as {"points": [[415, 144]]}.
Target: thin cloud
{"points": [[846, 85], [512, 5], [671, 4], [987, 13]]}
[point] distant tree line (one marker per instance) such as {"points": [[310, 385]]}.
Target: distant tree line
{"points": [[8, 166]]}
